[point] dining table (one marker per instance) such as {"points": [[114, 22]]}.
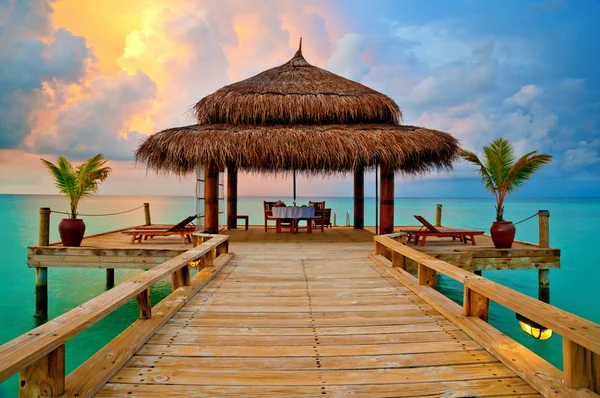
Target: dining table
{"points": [[295, 213]]}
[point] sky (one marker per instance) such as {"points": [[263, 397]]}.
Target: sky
{"points": [[82, 77]]}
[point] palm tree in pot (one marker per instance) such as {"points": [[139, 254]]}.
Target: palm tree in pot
{"points": [[502, 175], [76, 183]]}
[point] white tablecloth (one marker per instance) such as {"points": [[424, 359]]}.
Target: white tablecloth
{"points": [[294, 212]]}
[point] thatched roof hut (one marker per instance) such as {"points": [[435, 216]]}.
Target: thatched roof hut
{"points": [[298, 117]]}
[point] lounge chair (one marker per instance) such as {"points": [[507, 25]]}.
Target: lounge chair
{"points": [[429, 230], [185, 228]]}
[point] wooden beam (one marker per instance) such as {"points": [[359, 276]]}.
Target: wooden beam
{"points": [[232, 196], [45, 377], [41, 273], [581, 367], [144, 304], [386, 200], [544, 274], [475, 304], [398, 260], [211, 198], [359, 198]]}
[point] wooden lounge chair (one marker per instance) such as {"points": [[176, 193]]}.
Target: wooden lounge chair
{"points": [[185, 228], [429, 230]]}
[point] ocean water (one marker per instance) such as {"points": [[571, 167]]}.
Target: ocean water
{"points": [[572, 229]]}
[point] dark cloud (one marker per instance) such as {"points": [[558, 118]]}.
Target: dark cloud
{"points": [[26, 62]]}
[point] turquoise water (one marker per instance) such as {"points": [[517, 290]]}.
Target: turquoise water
{"points": [[572, 229]]}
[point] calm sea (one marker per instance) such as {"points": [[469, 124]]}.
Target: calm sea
{"points": [[573, 224]]}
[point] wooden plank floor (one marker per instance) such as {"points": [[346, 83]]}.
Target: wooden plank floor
{"points": [[310, 319]]}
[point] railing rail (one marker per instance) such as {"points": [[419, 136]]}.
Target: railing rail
{"points": [[40, 352], [581, 338]]}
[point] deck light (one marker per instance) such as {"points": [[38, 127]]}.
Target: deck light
{"points": [[534, 329], [194, 264]]}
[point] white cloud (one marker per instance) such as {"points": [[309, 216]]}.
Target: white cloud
{"points": [[526, 96]]}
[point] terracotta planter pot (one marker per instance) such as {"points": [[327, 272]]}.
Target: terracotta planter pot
{"points": [[71, 231], [503, 234]]}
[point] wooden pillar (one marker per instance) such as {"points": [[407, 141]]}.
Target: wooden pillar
{"points": [[544, 274], [45, 377], [359, 198], [438, 215], [147, 218], [211, 198], [475, 304], [144, 304], [110, 278], [41, 273], [581, 367], [386, 200], [232, 196]]}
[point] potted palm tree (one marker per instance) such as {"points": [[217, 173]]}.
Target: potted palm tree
{"points": [[502, 175], [76, 183]]}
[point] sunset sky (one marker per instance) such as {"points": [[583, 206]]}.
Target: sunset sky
{"points": [[82, 77]]}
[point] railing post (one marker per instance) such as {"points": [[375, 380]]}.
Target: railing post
{"points": [[223, 248], [45, 377], [147, 218], [476, 304], [398, 260], [208, 259], [41, 273], [334, 218], [144, 304], [110, 278], [544, 274], [181, 277], [438, 215], [581, 366], [426, 276]]}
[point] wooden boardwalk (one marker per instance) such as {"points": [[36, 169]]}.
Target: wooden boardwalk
{"points": [[310, 318]]}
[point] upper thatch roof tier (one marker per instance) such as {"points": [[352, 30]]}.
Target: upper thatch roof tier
{"points": [[311, 149], [296, 93]]}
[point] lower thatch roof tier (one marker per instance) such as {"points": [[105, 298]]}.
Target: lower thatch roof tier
{"points": [[312, 149]]}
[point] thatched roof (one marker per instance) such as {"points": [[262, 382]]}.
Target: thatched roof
{"points": [[296, 93], [309, 148], [298, 117]]}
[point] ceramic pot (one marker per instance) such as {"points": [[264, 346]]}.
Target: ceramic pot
{"points": [[503, 234], [71, 231]]}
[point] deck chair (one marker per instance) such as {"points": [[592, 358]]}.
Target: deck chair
{"points": [[429, 230], [184, 228], [326, 219]]}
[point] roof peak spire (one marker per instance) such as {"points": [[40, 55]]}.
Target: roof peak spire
{"points": [[300, 46]]}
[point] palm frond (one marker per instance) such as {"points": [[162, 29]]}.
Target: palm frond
{"points": [[486, 178], [499, 157], [524, 168]]}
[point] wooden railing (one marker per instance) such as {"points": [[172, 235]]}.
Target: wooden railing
{"points": [[40, 353], [581, 338]]}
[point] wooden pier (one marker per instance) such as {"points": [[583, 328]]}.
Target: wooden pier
{"points": [[334, 313]]}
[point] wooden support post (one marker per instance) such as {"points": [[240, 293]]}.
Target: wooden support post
{"points": [[426, 276], [41, 273], [211, 198], [398, 260], [475, 304], [581, 366], [359, 198], [45, 377], [438, 215], [386, 200], [147, 218], [144, 304], [232, 197], [181, 277], [544, 274], [110, 278]]}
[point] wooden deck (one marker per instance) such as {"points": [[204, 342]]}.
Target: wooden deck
{"points": [[114, 250], [304, 317]]}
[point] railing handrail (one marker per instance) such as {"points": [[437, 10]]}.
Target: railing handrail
{"points": [[24, 350], [573, 327], [581, 338]]}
